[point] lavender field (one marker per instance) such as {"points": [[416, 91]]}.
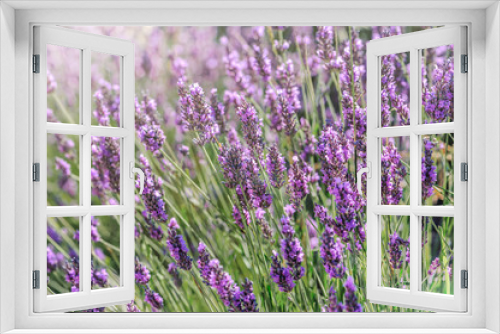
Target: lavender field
{"points": [[250, 138]]}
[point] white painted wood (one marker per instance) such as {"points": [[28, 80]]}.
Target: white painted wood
{"points": [[469, 322], [86, 298], [413, 43]]}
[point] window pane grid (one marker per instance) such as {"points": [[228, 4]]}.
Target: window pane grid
{"points": [[416, 210]]}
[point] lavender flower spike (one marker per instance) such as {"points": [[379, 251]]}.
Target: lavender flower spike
{"points": [[429, 175], [280, 275], [350, 299], [275, 164], [331, 253], [297, 183], [292, 250], [252, 128], [154, 299], [203, 261], [333, 305], [142, 275], [177, 246]]}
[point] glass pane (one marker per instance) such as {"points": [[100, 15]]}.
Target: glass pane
{"points": [[63, 255], [105, 89], [395, 89], [395, 251], [63, 170], [105, 172], [437, 84], [395, 171], [437, 169], [105, 234], [437, 254], [63, 84]]}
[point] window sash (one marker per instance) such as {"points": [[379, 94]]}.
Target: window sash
{"points": [[86, 297], [413, 43]]}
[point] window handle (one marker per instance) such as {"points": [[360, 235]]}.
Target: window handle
{"points": [[368, 171], [134, 170]]}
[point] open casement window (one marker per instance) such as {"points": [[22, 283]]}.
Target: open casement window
{"points": [[416, 143], [94, 154]]}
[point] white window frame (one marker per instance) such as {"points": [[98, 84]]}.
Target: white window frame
{"points": [[86, 43], [483, 308], [413, 43]]}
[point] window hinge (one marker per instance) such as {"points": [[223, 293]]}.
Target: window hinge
{"points": [[465, 279], [36, 172], [465, 64], [36, 279], [36, 63], [464, 175]]}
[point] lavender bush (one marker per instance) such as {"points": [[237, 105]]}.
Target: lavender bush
{"points": [[250, 139]]}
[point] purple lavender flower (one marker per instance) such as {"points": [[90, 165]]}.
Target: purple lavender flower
{"points": [[142, 275], [54, 259], [177, 246], [325, 52], [99, 277], [234, 70], [105, 173], [394, 250], [131, 307], [213, 275], [174, 272], [94, 310], [197, 113], [267, 232], [393, 173], [65, 181], [287, 113], [152, 137], [154, 299], [51, 82], [280, 275], [222, 282], [349, 202], [438, 99], [73, 274], [239, 219], [285, 75], [275, 164], [101, 114], [94, 232], [271, 101], [297, 183], [254, 187], [153, 192], [321, 213], [203, 261], [251, 128], [231, 160], [52, 233], [261, 62], [292, 250], [245, 299], [433, 267], [350, 299], [429, 174], [333, 304], [334, 152], [218, 112], [331, 253], [389, 96], [155, 230]]}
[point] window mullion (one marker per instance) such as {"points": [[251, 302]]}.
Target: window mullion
{"points": [[414, 168], [85, 167]]}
